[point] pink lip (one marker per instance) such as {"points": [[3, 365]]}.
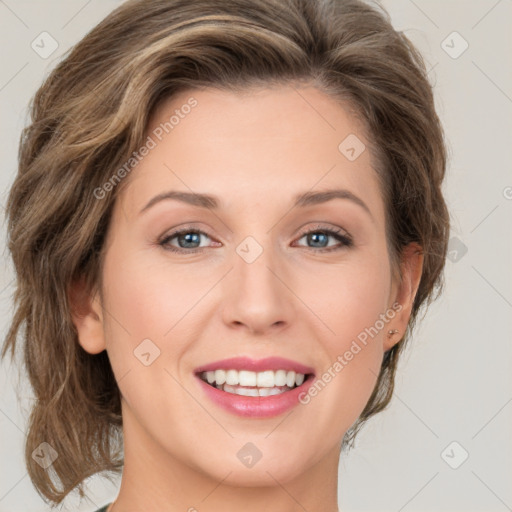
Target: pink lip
{"points": [[260, 365], [256, 406]]}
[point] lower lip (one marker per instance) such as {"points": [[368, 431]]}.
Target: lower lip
{"points": [[256, 406]]}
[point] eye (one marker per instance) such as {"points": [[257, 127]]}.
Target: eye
{"points": [[320, 236], [187, 240]]}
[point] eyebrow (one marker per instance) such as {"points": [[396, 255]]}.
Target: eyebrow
{"points": [[300, 201]]}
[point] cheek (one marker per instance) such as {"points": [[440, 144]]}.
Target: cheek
{"points": [[348, 298], [353, 307], [146, 301], [149, 299]]}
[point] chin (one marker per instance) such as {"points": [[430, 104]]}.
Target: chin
{"points": [[273, 465]]}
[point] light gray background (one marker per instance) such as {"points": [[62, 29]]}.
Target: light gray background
{"points": [[456, 382]]}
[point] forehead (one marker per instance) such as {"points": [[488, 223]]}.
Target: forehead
{"points": [[262, 143]]}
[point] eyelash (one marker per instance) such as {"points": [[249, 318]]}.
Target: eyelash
{"points": [[338, 234]]}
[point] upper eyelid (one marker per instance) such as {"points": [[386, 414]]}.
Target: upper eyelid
{"points": [[319, 227]]}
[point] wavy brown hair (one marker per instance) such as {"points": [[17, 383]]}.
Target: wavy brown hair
{"points": [[92, 112]]}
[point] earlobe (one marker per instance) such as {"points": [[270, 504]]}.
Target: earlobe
{"points": [[411, 269], [86, 314]]}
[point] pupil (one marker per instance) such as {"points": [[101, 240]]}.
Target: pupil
{"points": [[188, 238], [314, 237]]}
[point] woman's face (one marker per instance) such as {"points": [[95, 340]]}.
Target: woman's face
{"points": [[244, 279]]}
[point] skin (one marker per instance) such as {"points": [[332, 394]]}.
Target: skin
{"points": [[255, 152]]}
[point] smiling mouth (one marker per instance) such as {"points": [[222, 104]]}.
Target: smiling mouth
{"points": [[255, 384]]}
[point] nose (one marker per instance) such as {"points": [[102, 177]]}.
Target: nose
{"points": [[257, 296]]}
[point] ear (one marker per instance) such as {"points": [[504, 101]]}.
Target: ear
{"points": [[404, 292], [87, 316]]}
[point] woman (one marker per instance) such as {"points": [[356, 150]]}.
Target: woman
{"points": [[226, 219]]}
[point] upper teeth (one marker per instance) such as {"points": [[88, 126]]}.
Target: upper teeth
{"points": [[266, 379]]}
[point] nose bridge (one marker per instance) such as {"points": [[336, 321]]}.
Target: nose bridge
{"points": [[256, 297]]}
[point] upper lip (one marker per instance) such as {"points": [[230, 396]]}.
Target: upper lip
{"points": [[255, 365]]}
